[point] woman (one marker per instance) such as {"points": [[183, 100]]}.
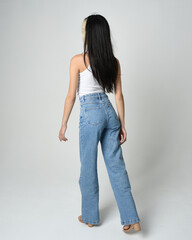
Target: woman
{"points": [[92, 74]]}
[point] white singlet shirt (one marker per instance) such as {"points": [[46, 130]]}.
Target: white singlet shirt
{"points": [[87, 83]]}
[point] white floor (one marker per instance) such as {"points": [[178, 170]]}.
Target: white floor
{"points": [[51, 213]]}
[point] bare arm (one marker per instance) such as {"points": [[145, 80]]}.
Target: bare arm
{"points": [[70, 98], [119, 100]]}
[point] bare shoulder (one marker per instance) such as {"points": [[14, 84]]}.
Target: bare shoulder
{"points": [[118, 63], [76, 58], [75, 62], [117, 59], [78, 61]]}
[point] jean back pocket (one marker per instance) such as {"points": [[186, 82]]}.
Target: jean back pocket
{"points": [[94, 114]]}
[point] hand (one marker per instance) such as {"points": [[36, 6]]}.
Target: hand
{"points": [[62, 133], [122, 135]]}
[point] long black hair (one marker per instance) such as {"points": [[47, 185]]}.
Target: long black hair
{"points": [[97, 43]]}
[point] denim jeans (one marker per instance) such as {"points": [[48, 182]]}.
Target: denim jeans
{"points": [[99, 121]]}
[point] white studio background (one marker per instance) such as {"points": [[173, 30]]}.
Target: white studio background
{"points": [[39, 191]]}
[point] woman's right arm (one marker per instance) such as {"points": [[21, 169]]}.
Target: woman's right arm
{"points": [[119, 100]]}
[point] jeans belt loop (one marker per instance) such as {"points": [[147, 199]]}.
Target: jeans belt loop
{"points": [[99, 96]]}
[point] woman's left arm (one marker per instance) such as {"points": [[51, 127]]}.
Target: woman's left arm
{"points": [[71, 96]]}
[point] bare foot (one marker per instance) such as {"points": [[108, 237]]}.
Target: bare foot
{"points": [[129, 227], [89, 224]]}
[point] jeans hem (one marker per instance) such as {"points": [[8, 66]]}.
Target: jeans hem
{"points": [[131, 221], [85, 220]]}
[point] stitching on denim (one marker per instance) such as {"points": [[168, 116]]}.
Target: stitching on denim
{"points": [[96, 107], [94, 97], [87, 119], [90, 103], [124, 222], [115, 113], [89, 221]]}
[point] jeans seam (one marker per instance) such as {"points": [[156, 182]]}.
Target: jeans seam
{"points": [[130, 221], [89, 221]]}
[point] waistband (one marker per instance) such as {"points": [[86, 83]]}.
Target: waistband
{"points": [[99, 96]]}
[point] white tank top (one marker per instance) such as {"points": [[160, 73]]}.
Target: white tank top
{"points": [[87, 83]]}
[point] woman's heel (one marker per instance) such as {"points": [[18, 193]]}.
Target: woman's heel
{"points": [[137, 227]]}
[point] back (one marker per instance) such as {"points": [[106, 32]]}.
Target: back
{"points": [[87, 83]]}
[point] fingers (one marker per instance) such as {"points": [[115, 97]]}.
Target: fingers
{"points": [[124, 137], [123, 140], [64, 139], [61, 137]]}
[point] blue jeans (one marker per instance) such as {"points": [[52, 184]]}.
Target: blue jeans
{"points": [[99, 121]]}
